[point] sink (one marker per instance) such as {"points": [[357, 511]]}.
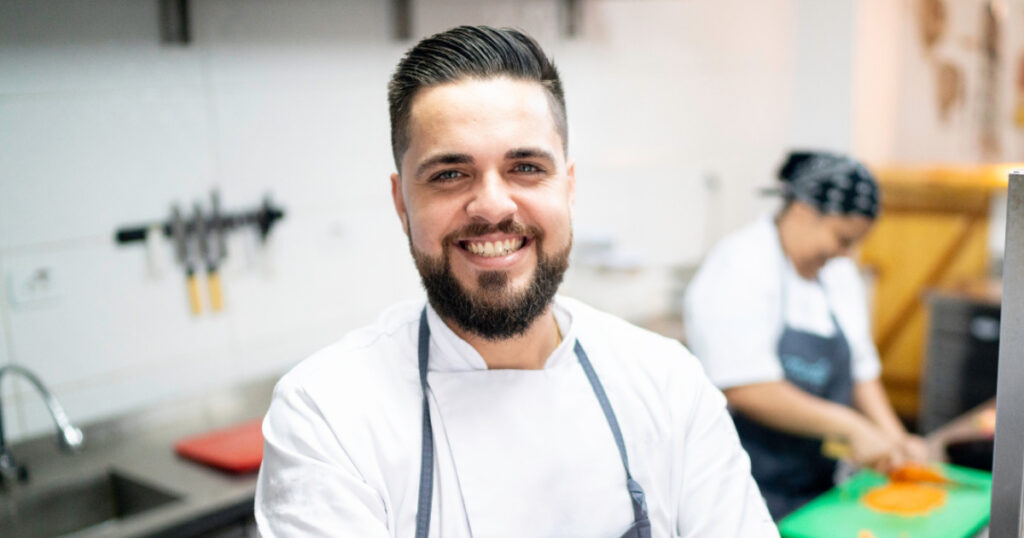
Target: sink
{"points": [[77, 506]]}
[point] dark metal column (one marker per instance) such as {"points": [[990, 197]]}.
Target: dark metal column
{"points": [[175, 22]]}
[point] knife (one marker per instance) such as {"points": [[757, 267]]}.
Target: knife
{"points": [[181, 250], [215, 253], [913, 472]]}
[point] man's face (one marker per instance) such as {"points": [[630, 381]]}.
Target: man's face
{"points": [[485, 194]]}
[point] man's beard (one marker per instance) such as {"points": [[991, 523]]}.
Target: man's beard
{"points": [[493, 312]]}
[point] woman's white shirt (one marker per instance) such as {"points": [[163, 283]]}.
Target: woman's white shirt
{"points": [[733, 308], [517, 452]]}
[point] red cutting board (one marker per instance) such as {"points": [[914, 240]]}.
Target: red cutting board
{"points": [[238, 449]]}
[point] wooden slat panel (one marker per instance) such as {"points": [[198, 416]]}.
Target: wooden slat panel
{"points": [[933, 232]]}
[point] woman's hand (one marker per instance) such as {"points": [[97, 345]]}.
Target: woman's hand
{"points": [[914, 448], [872, 447]]}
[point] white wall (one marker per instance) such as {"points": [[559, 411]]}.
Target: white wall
{"points": [[821, 114], [102, 126], [896, 104]]}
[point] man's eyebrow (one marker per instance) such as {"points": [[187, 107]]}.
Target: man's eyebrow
{"points": [[529, 153], [444, 158]]}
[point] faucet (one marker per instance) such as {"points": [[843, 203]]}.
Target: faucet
{"points": [[69, 437]]}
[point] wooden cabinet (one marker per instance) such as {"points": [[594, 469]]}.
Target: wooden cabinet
{"points": [[933, 232]]}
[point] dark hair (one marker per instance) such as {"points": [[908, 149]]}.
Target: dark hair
{"points": [[476, 52], [831, 183]]}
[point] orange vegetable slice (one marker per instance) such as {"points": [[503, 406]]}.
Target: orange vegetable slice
{"points": [[905, 498], [916, 472]]}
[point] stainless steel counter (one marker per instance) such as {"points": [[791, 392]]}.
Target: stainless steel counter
{"points": [[140, 447]]}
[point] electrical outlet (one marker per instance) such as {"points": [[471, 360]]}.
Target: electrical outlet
{"points": [[33, 285]]}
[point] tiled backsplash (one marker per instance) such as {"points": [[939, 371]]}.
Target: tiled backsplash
{"points": [[102, 126]]}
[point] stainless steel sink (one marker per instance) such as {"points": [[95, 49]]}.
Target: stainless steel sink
{"points": [[78, 506]]}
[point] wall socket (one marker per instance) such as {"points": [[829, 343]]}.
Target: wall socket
{"points": [[36, 285]]}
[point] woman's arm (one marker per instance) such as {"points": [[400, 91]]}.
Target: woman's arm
{"points": [[783, 406], [869, 397]]}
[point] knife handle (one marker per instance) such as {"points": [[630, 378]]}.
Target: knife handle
{"points": [[193, 294], [216, 296], [835, 448]]}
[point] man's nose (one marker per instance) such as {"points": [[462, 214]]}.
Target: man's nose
{"points": [[492, 199]]}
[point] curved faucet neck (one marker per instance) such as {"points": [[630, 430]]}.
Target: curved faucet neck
{"points": [[69, 436]]}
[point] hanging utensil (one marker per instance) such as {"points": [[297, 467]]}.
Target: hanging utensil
{"points": [[180, 235], [215, 252]]}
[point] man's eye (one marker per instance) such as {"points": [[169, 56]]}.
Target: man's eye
{"points": [[526, 168], [447, 175]]}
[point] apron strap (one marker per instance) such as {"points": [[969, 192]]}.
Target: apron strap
{"points": [[427, 446], [426, 493], [636, 493]]}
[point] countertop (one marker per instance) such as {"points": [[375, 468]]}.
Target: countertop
{"points": [[141, 446]]}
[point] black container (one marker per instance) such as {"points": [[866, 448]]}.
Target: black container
{"points": [[976, 454]]}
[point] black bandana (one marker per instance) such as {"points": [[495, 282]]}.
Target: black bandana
{"points": [[831, 183]]}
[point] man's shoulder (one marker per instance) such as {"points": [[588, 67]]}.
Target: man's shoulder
{"points": [[364, 353], [657, 372], [593, 320], [632, 345]]}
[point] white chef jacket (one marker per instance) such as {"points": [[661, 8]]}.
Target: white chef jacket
{"points": [[733, 310], [518, 453]]}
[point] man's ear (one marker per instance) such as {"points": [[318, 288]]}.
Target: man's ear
{"points": [[399, 201], [570, 174]]}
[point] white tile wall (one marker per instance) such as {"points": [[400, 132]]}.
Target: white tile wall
{"points": [[317, 146], [103, 126], [693, 93], [110, 316], [361, 265], [4, 355], [81, 164], [824, 118], [12, 420], [116, 394]]}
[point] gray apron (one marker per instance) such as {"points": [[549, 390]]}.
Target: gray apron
{"points": [[641, 527], [790, 469]]}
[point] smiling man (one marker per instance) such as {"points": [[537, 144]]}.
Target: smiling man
{"points": [[497, 408]]}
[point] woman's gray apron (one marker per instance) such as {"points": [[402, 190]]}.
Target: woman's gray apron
{"points": [[790, 469], [641, 527]]}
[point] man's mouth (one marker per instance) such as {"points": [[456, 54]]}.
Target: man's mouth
{"points": [[494, 248]]}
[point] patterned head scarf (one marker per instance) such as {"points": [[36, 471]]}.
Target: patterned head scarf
{"points": [[831, 183]]}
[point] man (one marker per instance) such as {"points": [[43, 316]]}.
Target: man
{"points": [[497, 409]]}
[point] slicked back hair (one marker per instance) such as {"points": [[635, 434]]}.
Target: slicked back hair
{"points": [[478, 52]]}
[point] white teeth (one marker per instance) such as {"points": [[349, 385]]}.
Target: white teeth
{"points": [[493, 249]]}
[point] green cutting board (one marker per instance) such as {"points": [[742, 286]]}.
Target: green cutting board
{"points": [[839, 512]]}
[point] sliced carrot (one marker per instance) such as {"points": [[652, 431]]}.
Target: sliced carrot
{"points": [[916, 472], [905, 498]]}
